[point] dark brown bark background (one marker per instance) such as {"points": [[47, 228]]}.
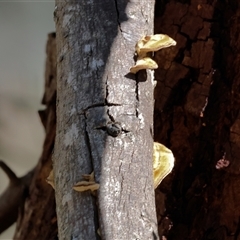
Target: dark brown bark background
{"points": [[197, 116]]}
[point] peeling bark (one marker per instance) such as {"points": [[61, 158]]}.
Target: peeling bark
{"points": [[104, 121]]}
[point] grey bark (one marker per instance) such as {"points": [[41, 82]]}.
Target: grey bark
{"points": [[104, 121]]}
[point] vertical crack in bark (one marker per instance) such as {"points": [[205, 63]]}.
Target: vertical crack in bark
{"points": [[137, 96], [107, 92], [107, 103], [88, 141], [110, 116], [117, 11], [94, 200]]}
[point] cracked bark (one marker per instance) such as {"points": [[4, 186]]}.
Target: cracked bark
{"points": [[104, 117], [197, 201], [197, 115]]}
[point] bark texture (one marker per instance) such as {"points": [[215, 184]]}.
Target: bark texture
{"points": [[104, 121], [38, 220], [197, 116]]}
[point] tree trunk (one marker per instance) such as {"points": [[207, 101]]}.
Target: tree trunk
{"points": [[197, 116], [104, 121]]}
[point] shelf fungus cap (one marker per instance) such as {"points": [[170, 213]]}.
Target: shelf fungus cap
{"points": [[163, 162], [141, 43], [50, 179], [85, 186], [143, 63], [90, 184], [155, 43]]}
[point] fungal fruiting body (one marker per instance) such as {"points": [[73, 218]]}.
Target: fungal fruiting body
{"points": [[163, 163], [150, 43]]}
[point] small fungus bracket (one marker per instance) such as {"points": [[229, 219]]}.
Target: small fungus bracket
{"points": [[146, 45], [87, 184], [163, 162]]}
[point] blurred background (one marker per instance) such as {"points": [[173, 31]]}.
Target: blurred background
{"points": [[24, 26]]}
